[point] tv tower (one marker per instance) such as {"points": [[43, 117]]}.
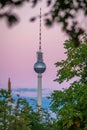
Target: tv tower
{"points": [[39, 68]]}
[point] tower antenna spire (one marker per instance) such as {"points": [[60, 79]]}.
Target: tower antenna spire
{"points": [[40, 32]]}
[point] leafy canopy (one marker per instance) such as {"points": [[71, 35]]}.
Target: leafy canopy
{"points": [[70, 105], [65, 12], [75, 65], [17, 114], [14, 113]]}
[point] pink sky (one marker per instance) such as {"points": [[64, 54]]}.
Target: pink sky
{"points": [[18, 47]]}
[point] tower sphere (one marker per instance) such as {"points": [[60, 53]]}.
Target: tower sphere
{"points": [[39, 67]]}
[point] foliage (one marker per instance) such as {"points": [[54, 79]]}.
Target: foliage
{"points": [[75, 63], [13, 114], [60, 11], [70, 105], [7, 9], [16, 114], [66, 13]]}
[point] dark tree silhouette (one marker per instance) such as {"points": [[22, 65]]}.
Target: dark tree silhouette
{"points": [[61, 11], [66, 12], [7, 9]]}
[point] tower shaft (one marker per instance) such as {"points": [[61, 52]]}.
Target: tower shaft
{"points": [[39, 96]]}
